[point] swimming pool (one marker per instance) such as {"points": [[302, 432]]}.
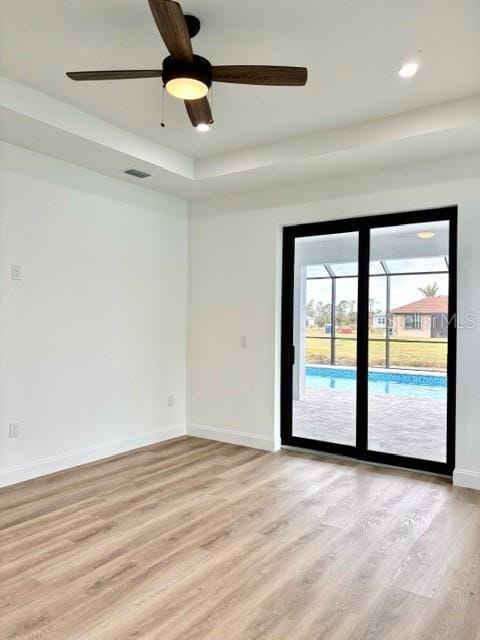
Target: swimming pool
{"points": [[394, 383]]}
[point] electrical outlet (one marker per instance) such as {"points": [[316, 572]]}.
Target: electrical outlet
{"points": [[14, 430], [243, 342], [170, 400], [15, 272]]}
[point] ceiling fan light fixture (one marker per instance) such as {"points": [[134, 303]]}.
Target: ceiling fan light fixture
{"points": [[203, 127], [187, 80], [186, 88]]}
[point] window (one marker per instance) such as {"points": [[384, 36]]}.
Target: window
{"points": [[413, 321]]}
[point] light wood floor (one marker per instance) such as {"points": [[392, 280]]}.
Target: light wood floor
{"points": [[196, 540]]}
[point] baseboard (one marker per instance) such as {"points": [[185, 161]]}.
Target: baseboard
{"points": [[69, 459], [467, 479], [232, 437]]}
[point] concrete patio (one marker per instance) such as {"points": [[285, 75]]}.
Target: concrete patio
{"points": [[414, 427]]}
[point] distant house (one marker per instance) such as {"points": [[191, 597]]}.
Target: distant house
{"points": [[424, 318], [378, 321]]}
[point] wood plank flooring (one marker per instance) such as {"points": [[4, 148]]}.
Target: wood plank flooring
{"points": [[199, 540]]}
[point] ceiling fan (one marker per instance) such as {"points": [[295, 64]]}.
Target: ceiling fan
{"points": [[187, 76]]}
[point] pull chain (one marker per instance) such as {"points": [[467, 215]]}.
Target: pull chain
{"points": [[211, 103], [162, 124]]}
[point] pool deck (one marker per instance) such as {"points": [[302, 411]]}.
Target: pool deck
{"points": [[413, 427]]}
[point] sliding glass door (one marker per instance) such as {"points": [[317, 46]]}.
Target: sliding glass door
{"points": [[325, 329], [368, 338]]}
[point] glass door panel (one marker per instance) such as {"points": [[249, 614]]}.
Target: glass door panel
{"points": [[325, 303], [408, 340]]}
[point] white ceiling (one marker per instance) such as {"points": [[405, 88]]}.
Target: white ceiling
{"points": [[353, 50]]}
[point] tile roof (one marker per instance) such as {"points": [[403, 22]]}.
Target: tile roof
{"points": [[431, 304]]}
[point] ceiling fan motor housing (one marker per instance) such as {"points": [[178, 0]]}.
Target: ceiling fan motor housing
{"points": [[200, 69], [193, 25]]}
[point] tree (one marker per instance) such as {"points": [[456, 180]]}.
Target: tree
{"points": [[346, 313], [323, 314], [373, 306], [429, 291], [352, 313], [310, 311]]}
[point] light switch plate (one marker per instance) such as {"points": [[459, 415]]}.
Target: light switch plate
{"points": [[14, 430], [15, 272]]}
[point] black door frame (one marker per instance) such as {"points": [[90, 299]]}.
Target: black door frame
{"points": [[363, 225]]}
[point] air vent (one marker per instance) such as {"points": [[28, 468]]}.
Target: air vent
{"points": [[137, 174]]}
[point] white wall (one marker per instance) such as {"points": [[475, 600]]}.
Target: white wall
{"points": [[234, 290], [92, 339], [93, 336]]}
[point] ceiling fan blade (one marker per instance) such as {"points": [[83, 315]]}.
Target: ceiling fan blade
{"points": [[260, 74], [115, 75], [199, 111], [171, 23]]}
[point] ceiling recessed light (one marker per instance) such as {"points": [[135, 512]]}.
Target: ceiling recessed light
{"points": [[425, 235], [408, 70], [203, 127]]}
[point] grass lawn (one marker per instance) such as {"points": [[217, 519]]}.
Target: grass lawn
{"points": [[431, 354]]}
